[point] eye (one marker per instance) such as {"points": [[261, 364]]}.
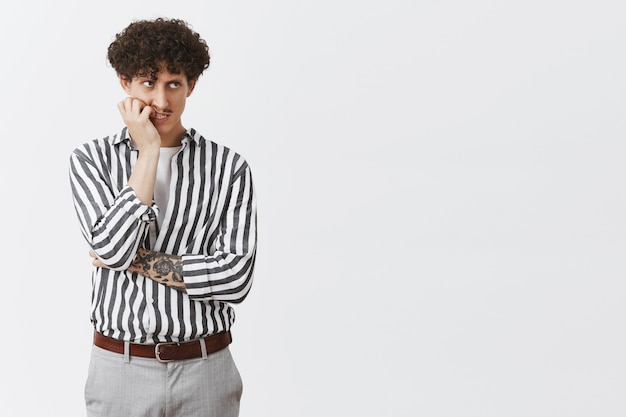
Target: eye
{"points": [[148, 83], [174, 84]]}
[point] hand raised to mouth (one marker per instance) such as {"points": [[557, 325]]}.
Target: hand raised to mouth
{"points": [[137, 116]]}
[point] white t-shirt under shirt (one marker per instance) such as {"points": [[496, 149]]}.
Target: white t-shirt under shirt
{"points": [[163, 177]]}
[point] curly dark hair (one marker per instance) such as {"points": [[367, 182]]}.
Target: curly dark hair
{"points": [[145, 44]]}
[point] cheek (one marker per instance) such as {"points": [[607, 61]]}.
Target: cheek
{"points": [[178, 101]]}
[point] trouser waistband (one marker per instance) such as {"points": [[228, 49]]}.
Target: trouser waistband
{"points": [[167, 351]]}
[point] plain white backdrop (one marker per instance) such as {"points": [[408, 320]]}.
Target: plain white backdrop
{"points": [[441, 200]]}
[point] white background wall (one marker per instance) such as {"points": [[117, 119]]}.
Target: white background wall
{"points": [[441, 200]]}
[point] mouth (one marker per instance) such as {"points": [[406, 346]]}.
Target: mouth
{"points": [[159, 116]]}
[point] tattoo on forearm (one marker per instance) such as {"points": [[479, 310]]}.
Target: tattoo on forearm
{"points": [[160, 267]]}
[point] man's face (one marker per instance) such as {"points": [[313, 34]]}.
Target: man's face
{"points": [[167, 95]]}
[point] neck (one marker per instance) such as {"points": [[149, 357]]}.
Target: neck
{"points": [[173, 138]]}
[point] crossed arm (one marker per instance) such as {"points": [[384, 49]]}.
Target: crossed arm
{"points": [[159, 267]]}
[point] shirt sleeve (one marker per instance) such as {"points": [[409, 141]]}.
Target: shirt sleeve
{"points": [[113, 222], [226, 273]]}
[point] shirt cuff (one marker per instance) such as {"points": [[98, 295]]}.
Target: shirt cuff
{"points": [[135, 207], [195, 275]]}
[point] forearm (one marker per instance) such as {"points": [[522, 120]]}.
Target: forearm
{"points": [[160, 267], [143, 177]]}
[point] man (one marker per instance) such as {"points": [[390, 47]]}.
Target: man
{"points": [[170, 218]]}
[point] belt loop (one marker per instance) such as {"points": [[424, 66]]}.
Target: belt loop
{"points": [[127, 352], [203, 348]]}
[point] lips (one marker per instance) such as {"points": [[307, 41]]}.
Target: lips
{"points": [[159, 117]]}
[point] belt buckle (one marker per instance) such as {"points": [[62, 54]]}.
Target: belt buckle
{"points": [[157, 351]]}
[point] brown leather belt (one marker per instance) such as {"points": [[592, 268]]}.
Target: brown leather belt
{"points": [[166, 351]]}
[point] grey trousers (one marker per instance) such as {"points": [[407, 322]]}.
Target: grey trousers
{"points": [[118, 386]]}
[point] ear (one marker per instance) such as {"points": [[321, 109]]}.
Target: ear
{"points": [[125, 83], [192, 85]]}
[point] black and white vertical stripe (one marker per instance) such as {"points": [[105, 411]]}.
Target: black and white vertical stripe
{"points": [[210, 221]]}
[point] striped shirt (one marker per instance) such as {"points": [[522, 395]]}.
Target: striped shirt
{"points": [[210, 221]]}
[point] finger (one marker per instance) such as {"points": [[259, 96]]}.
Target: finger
{"points": [[92, 254], [136, 104], [121, 106], [147, 111], [131, 105], [125, 106], [97, 262]]}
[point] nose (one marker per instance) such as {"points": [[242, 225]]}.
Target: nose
{"points": [[159, 100]]}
